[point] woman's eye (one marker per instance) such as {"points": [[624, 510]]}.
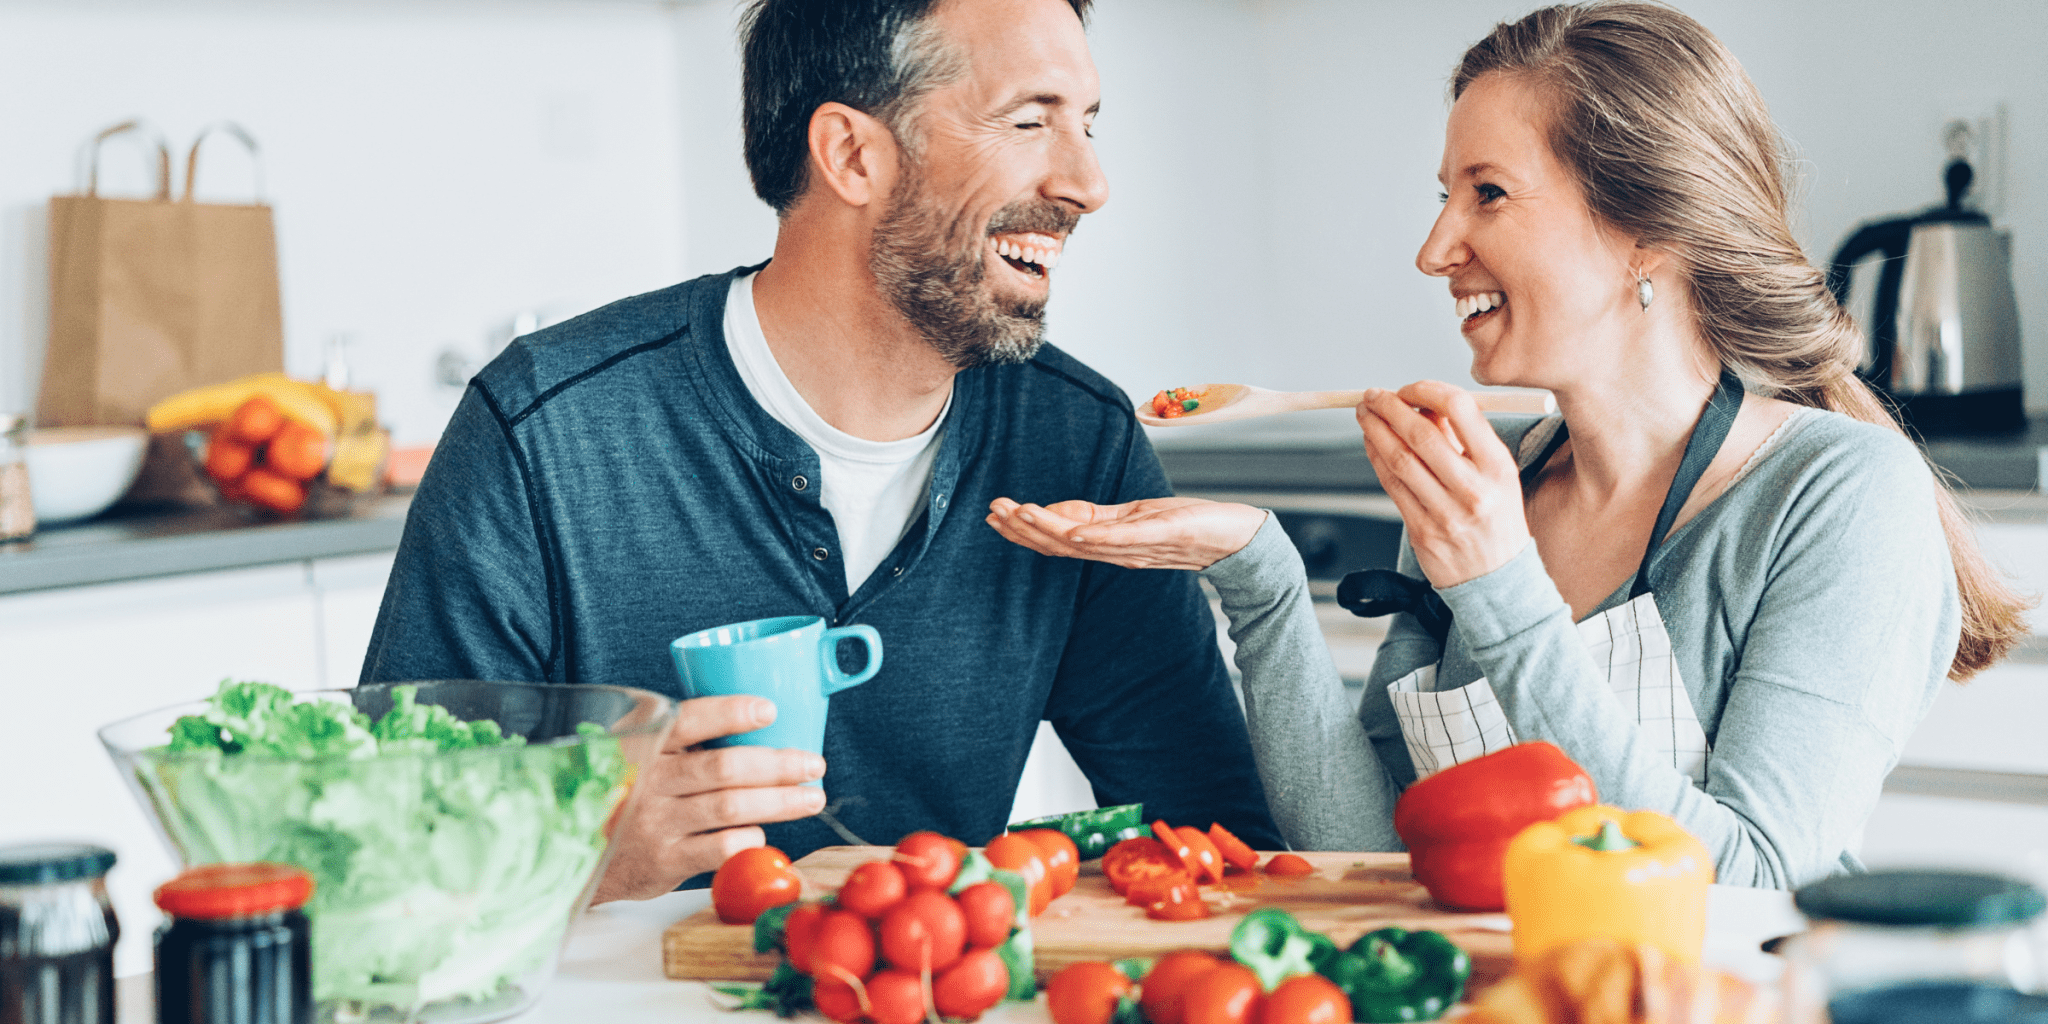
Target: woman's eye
{"points": [[1489, 193]]}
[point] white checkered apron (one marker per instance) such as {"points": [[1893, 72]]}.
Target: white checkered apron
{"points": [[1448, 727]]}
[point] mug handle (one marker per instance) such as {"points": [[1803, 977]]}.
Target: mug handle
{"points": [[828, 650]]}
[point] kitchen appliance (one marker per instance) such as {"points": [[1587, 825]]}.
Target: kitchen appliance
{"points": [[1944, 329]]}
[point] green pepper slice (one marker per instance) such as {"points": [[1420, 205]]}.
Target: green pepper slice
{"points": [[1273, 944], [1394, 975], [1094, 832]]}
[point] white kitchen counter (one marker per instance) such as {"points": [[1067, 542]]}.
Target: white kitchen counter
{"points": [[611, 971]]}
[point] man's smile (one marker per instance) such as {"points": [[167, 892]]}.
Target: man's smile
{"points": [[1029, 253]]}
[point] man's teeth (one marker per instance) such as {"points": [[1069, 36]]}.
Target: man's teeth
{"points": [[1480, 303], [1031, 249]]}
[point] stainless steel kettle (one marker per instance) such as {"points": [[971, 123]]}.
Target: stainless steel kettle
{"points": [[1945, 328]]}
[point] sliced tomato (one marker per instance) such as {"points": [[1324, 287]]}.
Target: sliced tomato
{"points": [[1234, 851], [1178, 885], [1168, 910], [1193, 849], [1287, 865], [1133, 859]]}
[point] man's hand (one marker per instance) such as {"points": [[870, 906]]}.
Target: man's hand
{"points": [[1154, 533], [698, 806]]}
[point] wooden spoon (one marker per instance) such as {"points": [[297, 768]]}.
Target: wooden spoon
{"points": [[1224, 403]]}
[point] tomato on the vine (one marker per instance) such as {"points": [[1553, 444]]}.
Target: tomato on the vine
{"points": [[895, 996], [1132, 859], [1163, 987], [928, 860], [990, 911], [1306, 999], [1085, 993], [751, 881], [843, 946], [800, 934], [872, 888], [837, 1001], [1230, 994], [970, 987], [927, 927], [1015, 853]]}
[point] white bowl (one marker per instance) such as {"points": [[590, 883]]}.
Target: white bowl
{"points": [[76, 472]]}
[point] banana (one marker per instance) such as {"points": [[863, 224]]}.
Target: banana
{"points": [[305, 402]]}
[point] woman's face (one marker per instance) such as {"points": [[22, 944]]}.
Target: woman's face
{"points": [[1543, 290]]}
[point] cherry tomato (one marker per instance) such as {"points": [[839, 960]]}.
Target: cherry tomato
{"points": [[990, 911], [843, 947], [1177, 910], [1133, 859], [255, 421], [1230, 994], [872, 889], [1287, 865], [750, 881], [926, 924], [1016, 853], [1144, 892], [262, 487], [896, 996], [800, 934], [226, 458], [1085, 993], [1234, 851], [1306, 999], [298, 451], [928, 860], [1062, 858], [837, 1001], [1192, 848], [970, 987], [1161, 990]]}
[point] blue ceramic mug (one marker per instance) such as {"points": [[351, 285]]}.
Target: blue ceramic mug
{"points": [[792, 660]]}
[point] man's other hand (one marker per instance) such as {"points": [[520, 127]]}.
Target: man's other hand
{"points": [[699, 805]]}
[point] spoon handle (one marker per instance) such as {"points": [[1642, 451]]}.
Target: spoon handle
{"points": [[1522, 401]]}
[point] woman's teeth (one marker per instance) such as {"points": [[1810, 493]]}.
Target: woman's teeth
{"points": [[1039, 250], [1480, 303]]}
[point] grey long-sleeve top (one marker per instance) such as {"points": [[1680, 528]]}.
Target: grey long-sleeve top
{"points": [[1812, 611]]}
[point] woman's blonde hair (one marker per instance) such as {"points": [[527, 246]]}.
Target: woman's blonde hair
{"points": [[1672, 145]]}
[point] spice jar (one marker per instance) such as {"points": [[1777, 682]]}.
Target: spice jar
{"points": [[236, 949], [17, 506], [57, 933], [1906, 947]]}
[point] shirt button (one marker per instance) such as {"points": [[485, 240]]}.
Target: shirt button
{"points": [[799, 482], [820, 554], [942, 501]]}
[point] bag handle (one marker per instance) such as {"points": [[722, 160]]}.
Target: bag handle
{"points": [[192, 157], [163, 157]]}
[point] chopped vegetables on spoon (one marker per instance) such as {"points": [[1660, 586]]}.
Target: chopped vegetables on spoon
{"points": [[447, 855], [1176, 402]]}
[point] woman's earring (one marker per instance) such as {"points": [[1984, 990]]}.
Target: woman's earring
{"points": [[1644, 293]]}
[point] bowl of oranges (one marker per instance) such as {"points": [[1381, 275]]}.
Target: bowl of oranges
{"points": [[278, 444]]}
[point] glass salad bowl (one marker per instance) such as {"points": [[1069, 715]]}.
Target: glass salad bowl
{"points": [[453, 829]]}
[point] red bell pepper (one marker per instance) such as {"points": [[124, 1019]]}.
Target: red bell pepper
{"points": [[1457, 823]]}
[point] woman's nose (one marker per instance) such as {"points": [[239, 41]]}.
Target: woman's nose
{"points": [[1444, 251]]}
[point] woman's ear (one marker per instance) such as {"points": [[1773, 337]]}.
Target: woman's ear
{"points": [[1646, 261], [852, 154]]}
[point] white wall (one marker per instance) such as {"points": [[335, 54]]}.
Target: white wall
{"points": [[435, 168]]}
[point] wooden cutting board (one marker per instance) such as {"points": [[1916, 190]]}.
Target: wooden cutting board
{"points": [[1350, 894]]}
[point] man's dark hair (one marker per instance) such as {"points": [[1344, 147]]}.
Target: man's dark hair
{"points": [[876, 56]]}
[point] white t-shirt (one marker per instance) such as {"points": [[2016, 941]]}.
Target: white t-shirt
{"points": [[871, 488]]}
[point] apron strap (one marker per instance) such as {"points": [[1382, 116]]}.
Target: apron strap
{"points": [[1700, 449]]}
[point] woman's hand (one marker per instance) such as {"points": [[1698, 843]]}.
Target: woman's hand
{"points": [[1156, 533], [1454, 481]]}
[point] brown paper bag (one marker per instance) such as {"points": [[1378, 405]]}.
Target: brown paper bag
{"points": [[150, 297]]}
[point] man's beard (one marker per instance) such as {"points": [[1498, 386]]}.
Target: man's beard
{"points": [[934, 271]]}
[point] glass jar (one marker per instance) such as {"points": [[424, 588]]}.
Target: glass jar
{"points": [[235, 947], [1906, 947], [17, 506], [57, 933]]}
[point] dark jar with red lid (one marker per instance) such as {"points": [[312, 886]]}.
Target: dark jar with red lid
{"points": [[235, 948]]}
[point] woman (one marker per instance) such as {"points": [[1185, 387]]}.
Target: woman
{"points": [[1722, 579]]}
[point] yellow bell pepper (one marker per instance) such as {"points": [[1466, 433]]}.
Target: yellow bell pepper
{"points": [[1601, 872]]}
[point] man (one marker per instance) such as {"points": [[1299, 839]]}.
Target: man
{"points": [[821, 435]]}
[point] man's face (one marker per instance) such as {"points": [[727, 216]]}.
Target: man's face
{"points": [[1002, 168]]}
